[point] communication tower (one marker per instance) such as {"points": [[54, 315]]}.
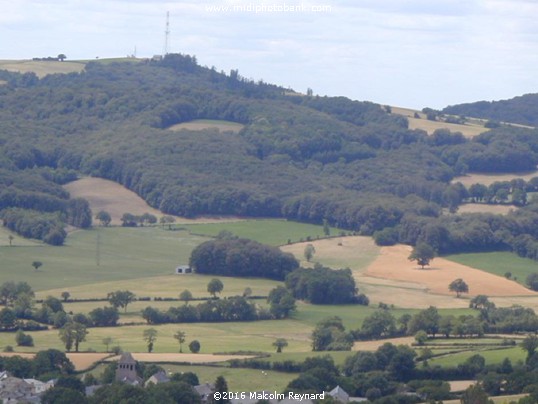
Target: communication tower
{"points": [[166, 34]]}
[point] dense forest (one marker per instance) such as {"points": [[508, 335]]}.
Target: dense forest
{"points": [[306, 158], [522, 110]]}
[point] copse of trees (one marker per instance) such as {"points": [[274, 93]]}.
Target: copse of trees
{"points": [[321, 285], [241, 257], [235, 308]]}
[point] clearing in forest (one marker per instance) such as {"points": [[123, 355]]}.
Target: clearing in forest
{"points": [[469, 129], [485, 208], [115, 199], [488, 179], [202, 124]]}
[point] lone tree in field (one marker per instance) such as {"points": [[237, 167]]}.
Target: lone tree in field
{"points": [[61, 57], [309, 252], [279, 344], [66, 295], [150, 335], [215, 286], [103, 217], [11, 238], [107, 341], [180, 336], [422, 253], [194, 346], [459, 286], [37, 265]]}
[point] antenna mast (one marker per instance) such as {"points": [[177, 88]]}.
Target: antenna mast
{"points": [[166, 33]]}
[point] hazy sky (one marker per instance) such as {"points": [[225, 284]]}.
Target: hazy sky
{"points": [[411, 53]]}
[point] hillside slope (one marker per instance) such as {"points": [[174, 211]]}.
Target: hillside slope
{"points": [[301, 157], [521, 110]]}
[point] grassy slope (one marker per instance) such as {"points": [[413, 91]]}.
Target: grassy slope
{"points": [[272, 232], [123, 254], [491, 356], [498, 263]]}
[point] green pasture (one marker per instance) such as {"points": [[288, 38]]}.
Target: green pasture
{"points": [[214, 337], [98, 255], [498, 263], [271, 231], [165, 286], [17, 240], [492, 356]]}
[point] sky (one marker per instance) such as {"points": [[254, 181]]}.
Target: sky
{"points": [[408, 53]]}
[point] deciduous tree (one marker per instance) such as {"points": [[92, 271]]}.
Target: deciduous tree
{"points": [[459, 286], [422, 253]]}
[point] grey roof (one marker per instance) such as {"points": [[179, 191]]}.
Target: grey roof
{"points": [[159, 377], [339, 394]]}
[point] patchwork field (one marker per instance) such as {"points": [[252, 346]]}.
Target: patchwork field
{"points": [[99, 255], [202, 124], [41, 68], [488, 179], [393, 264], [116, 199], [470, 129], [386, 275], [272, 231]]}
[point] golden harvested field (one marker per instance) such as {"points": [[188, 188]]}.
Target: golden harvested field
{"points": [[393, 264], [386, 275], [41, 68], [484, 208], [201, 124], [81, 360], [355, 252], [488, 179], [116, 199], [374, 345]]}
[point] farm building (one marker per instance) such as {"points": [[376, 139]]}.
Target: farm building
{"points": [[183, 269]]}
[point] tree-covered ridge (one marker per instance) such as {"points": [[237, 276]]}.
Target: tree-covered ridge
{"points": [[522, 110], [301, 157]]}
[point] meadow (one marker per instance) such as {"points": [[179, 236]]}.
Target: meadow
{"points": [[274, 232], [498, 263], [97, 255], [202, 124]]}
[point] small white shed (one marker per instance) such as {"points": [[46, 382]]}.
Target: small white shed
{"points": [[183, 269]]}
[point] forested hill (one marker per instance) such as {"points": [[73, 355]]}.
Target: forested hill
{"points": [[301, 157], [522, 110]]}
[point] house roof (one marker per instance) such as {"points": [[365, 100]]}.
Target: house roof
{"points": [[340, 394], [159, 377], [204, 390]]}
